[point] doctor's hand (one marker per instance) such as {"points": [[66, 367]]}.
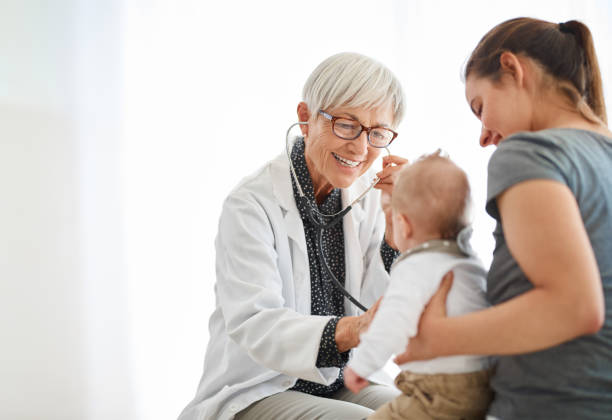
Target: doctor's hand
{"points": [[391, 166], [349, 328], [353, 381], [426, 344]]}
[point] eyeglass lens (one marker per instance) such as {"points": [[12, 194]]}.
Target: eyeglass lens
{"points": [[350, 129]]}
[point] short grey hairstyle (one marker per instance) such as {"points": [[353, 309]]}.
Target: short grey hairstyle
{"points": [[353, 80]]}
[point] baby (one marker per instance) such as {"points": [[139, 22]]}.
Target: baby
{"points": [[431, 204]]}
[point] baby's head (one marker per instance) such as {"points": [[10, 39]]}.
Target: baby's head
{"points": [[431, 200]]}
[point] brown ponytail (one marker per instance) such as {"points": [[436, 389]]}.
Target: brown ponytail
{"points": [[593, 92], [565, 51]]}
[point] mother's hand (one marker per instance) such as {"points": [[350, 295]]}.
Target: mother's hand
{"points": [[391, 166], [426, 344]]}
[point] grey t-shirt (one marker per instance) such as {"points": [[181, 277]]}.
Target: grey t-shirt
{"points": [[572, 380]]}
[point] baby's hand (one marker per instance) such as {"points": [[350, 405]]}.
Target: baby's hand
{"points": [[353, 381]]}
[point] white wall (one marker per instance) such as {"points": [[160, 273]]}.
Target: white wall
{"points": [[123, 125], [99, 112], [63, 306], [42, 350]]}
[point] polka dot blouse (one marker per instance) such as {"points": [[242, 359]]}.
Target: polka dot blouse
{"points": [[325, 298]]}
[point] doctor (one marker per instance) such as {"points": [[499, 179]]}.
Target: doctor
{"points": [[281, 331]]}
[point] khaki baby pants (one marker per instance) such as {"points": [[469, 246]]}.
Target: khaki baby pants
{"points": [[439, 396]]}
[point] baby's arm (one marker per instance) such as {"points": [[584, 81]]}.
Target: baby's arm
{"points": [[353, 381], [397, 318]]}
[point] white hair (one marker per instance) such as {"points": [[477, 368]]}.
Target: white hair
{"points": [[353, 80]]}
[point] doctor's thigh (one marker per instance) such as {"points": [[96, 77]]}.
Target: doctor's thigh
{"points": [[342, 405]]}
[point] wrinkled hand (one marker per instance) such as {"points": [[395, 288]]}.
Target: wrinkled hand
{"points": [[424, 345], [349, 328], [391, 166], [353, 381]]}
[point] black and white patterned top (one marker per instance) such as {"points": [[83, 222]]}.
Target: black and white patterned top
{"points": [[325, 298]]}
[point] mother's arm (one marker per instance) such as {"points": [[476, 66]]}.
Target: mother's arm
{"points": [[545, 234]]}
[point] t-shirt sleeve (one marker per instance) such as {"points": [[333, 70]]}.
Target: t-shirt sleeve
{"points": [[521, 158]]}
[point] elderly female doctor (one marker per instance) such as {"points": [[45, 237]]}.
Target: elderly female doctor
{"points": [[281, 330]]}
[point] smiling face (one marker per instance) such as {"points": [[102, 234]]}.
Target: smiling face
{"points": [[503, 107], [334, 162]]}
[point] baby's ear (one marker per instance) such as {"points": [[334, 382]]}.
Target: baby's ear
{"points": [[405, 226]]}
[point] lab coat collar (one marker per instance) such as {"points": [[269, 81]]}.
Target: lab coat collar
{"points": [[281, 184], [283, 193]]}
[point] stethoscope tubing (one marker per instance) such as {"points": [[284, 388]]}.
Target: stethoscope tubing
{"points": [[333, 278], [320, 225]]}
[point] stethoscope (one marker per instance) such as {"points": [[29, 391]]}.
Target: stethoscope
{"points": [[332, 219]]}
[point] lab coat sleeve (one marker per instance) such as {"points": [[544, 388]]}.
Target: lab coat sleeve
{"points": [[253, 296]]}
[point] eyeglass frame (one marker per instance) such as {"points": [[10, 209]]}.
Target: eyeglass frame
{"points": [[333, 119]]}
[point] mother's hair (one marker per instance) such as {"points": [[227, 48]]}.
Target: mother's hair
{"points": [[565, 51], [353, 80]]}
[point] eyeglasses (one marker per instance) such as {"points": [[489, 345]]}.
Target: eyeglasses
{"points": [[348, 129]]}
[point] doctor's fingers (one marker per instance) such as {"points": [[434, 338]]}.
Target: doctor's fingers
{"points": [[388, 174], [374, 307], [394, 160], [367, 317], [388, 188]]}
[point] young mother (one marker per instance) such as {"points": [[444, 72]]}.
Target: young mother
{"points": [[537, 90], [281, 331]]}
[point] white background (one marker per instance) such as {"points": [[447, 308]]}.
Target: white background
{"points": [[123, 125]]}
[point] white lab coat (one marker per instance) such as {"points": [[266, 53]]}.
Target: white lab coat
{"points": [[262, 336]]}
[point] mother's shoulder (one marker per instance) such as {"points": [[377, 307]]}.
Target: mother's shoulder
{"points": [[559, 136]]}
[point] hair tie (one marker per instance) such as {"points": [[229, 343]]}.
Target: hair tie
{"points": [[563, 27]]}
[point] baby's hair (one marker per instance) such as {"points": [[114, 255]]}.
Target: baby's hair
{"points": [[435, 194]]}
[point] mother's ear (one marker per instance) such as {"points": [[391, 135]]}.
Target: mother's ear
{"points": [[511, 64], [303, 116]]}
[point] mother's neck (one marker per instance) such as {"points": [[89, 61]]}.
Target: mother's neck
{"points": [[553, 110]]}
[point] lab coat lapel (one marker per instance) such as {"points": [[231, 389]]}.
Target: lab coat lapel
{"points": [[283, 192], [352, 245]]}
